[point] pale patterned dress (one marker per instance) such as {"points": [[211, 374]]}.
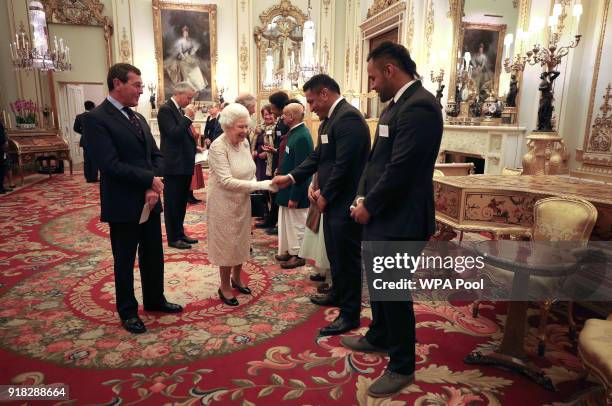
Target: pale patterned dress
{"points": [[232, 179]]}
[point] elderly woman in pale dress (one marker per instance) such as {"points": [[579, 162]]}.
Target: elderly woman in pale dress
{"points": [[232, 179]]}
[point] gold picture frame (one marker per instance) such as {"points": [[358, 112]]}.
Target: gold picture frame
{"points": [[186, 47], [492, 37]]}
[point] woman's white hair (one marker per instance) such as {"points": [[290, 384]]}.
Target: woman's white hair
{"points": [[232, 113]]}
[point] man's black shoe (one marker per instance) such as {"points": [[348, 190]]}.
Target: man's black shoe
{"points": [[315, 277], [324, 300], [134, 325], [165, 308], [189, 240], [339, 326], [264, 224], [180, 244], [272, 231]]}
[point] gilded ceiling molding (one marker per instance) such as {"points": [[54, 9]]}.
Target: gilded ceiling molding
{"points": [[601, 135], [244, 58], [285, 8], [125, 51], [379, 5], [429, 28], [83, 12]]}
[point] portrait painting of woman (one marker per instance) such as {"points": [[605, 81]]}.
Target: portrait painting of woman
{"points": [[484, 42], [185, 41]]}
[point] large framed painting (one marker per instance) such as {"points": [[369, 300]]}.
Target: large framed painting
{"points": [[485, 44], [185, 47]]}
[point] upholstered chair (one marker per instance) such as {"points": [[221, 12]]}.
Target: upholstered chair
{"points": [[595, 351], [562, 218]]}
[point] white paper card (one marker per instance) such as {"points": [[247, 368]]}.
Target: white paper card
{"points": [[268, 132], [287, 149], [383, 130], [201, 157], [324, 138], [144, 216], [278, 133]]}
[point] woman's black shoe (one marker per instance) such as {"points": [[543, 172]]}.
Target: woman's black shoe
{"points": [[244, 290], [230, 302]]}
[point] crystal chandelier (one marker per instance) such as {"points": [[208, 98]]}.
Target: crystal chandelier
{"points": [[309, 64], [36, 54]]}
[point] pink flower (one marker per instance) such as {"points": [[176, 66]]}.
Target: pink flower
{"points": [[9, 312], [158, 384], [106, 344], [220, 329], [289, 316], [261, 328], [27, 339], [172, 333], [59, 346], [157, 350]]}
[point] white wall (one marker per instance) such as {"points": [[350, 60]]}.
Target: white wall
{"points": [[95, 93]]}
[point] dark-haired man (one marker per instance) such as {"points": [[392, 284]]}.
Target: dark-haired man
{"points": [[90, 170], [395, 200], [278, 100], [130, 185], [341, 153]]}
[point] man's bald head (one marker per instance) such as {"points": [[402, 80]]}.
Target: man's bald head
{"points": [[293, 114]]}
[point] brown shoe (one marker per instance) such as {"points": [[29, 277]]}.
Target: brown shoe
{"points": [[293, 262], [360, 344], [284, 257], [389, 384]]}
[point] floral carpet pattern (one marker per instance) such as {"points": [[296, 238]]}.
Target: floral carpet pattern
{"points": [[58, 324]]}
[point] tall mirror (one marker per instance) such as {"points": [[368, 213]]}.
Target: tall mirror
{"points": [[279, 43], [482, 89]]}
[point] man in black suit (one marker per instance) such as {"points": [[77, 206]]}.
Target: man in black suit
{"points": [[340, 156], [130, 184], [178, 147], [90, 170], [212, 129], [395, 199]]}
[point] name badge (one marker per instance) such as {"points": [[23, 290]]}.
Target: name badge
{"points": [[287, 149], [278, 133], [383, 131], [268, 132], [324, 138]]}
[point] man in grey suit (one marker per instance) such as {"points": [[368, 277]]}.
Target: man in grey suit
{"points": [[339, 158], [395, 200], [178, 146]]}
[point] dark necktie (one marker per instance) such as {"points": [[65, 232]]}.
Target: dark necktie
{"points": [[385, 114], [134, 120]]}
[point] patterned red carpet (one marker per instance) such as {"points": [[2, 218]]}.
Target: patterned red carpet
{"points": [[58, 325]]}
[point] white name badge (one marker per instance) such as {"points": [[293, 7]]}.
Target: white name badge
{"points": [[383, 131], [287, 149], [269, 132], [279, 133], [324, 138]]}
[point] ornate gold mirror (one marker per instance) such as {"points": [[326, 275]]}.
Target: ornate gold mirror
{"points": [[481, 88], [279, 42]]}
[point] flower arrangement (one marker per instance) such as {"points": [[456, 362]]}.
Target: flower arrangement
{"points": [[25, 112]]}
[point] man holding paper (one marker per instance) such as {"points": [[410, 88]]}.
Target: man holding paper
{"points": [[130, 185], [178, 147]]}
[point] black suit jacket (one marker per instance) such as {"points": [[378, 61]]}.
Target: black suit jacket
{"points": [[339, 159], [397, 181], [177, 143], [212, 129], [78, 126], [127, 160]]}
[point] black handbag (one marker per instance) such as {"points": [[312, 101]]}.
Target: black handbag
{"points": [[258, 204]]}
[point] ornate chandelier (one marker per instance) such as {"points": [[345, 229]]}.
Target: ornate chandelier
{"points": [[309, 64], [36, 54]]}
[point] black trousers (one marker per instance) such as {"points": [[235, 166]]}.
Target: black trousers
{"points": [[2, 169], [176, 194], [343, 246], [90, 169], [126, 239], [393, 324]]}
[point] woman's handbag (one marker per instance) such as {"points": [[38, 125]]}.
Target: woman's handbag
{"points": [[258, 204]]}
